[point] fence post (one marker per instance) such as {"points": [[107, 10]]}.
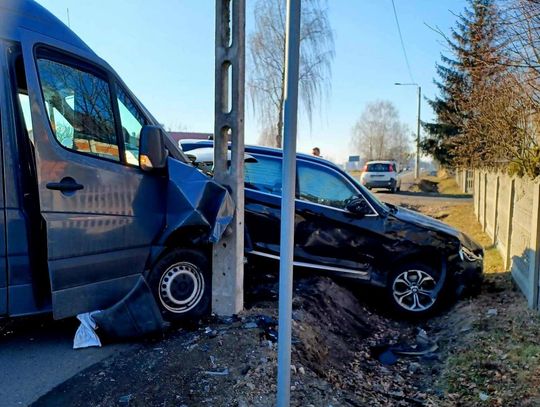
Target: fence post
{"points": [[479, 190], [507, 258], [484, 203], [534, 247], [475, 205], [496, 211]]}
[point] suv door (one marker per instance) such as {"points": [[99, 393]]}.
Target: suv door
{"points": [[263, 205], [102, 212], [328, 236]]}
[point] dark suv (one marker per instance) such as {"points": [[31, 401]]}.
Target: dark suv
{"points": [[343, 229]]}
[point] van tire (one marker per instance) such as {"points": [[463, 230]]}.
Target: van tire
{"points": [[181, 282]]}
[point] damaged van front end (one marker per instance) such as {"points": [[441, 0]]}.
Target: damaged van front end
{"points": [[101, 209]]}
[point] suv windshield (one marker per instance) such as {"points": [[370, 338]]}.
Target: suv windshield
{"points": [[380, 167], [372, 197]]}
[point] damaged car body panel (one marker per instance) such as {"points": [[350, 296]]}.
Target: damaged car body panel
{"points": [[95, 188], [344, 230], [193, 199]]}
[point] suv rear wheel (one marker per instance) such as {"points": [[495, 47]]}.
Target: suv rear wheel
{"points": [[181, 283], [415, 290]]}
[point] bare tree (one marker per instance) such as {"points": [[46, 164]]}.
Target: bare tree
{"points": [[379, 133], [267, 62]]}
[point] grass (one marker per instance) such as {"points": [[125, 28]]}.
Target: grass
{"points": [[462, 217], [492, 341]]}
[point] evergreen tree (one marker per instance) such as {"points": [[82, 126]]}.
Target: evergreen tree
{"points": [[472, 65]]}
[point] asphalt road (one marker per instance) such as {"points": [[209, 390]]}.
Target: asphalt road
{"points": [[406, 197], [36, 354]]}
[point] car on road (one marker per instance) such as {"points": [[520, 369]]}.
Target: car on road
{"points": [[381, 174], [342, 229]]}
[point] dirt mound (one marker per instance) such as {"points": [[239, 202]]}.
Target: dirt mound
{"points": [[233, 361], [328, 324], [426, 185]]}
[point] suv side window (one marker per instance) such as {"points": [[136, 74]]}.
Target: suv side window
{"points": [[323, 187], [264, 175], [132, 122], [80, 109]]}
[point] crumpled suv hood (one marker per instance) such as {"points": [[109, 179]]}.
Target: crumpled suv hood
{"points": [[427, 222]]}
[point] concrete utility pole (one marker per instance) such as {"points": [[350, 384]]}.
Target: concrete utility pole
{"points": [[417, 163], [286, 251], [228, 253]]}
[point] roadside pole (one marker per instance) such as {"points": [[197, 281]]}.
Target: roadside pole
{"points": [[418, 122], [228, 253], [287, 201], [417, 166]]}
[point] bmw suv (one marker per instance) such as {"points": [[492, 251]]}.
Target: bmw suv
{"points": [[343, 229]]}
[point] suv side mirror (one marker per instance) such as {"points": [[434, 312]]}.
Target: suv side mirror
{"points": [[359, 206], [152, 151]]}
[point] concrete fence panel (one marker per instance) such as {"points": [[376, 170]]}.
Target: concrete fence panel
{"points": [[509, 211], [492, 190], [521, 234], [504, 215]]}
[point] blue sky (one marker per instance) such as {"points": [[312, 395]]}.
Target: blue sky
{"points": [[164, 51]]}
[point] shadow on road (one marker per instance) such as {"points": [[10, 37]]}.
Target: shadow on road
{"points": [[427, 194]]}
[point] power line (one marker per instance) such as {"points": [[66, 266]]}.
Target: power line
{"points": [[402, 43]]}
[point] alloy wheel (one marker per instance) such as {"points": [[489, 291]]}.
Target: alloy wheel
{"points": [[414, 290]]}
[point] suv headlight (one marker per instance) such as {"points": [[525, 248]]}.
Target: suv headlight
{"points": [[469, 255]]}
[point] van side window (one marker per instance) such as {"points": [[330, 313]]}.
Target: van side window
{"points": [[24, 100], [80, 109], [132, 122]]}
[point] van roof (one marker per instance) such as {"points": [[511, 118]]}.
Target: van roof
{"points": [[27, 14]]}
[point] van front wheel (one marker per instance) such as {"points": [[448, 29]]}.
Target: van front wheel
{"points": [[181, 283]]}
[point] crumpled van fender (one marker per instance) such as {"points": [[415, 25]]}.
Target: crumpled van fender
{"points": [[195, 203]]}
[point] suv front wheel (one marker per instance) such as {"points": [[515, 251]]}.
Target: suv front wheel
{"points": [[414, 290]]}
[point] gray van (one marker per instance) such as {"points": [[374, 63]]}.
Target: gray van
{"points": [[93, 193]]}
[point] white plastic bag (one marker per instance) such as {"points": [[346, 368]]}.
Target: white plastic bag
{"points": [[86, 333]]}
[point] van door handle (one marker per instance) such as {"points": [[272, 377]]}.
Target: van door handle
{"points": [[67, 184]]}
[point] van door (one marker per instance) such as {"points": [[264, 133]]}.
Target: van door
{"points": [[102, 212]]}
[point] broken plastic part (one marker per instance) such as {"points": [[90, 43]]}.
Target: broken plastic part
{"points": [[86, 336], [194, 199], [136, 315]]}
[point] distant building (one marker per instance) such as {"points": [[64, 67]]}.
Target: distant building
{"points": [[189, 135]]}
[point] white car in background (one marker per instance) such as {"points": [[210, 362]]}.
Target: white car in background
{"points": [[381, 174]]}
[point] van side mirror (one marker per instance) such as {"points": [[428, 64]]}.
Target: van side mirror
{"points": [[152, 151], [359, 206]]}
